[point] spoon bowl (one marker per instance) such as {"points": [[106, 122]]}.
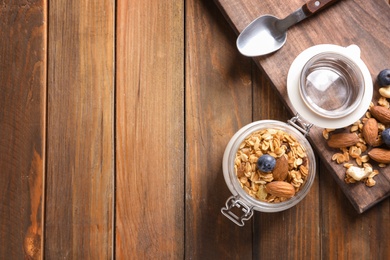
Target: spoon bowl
{"points": [[261, 37]]}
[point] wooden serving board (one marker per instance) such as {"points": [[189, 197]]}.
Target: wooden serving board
{"points": [[360, 22]]}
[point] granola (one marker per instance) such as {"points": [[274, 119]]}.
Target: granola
{"points": [[278, 144]]}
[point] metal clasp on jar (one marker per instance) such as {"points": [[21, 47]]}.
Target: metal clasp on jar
{"points": [[235, 202], [300, 125]]}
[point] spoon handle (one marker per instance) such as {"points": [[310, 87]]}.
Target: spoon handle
{"points": [[313, 6]]}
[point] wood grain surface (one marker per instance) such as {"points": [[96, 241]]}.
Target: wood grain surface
{"points": [[114, 116], [150, 130], [217, 82], [80, 130], [23, 70], [366, 24]]}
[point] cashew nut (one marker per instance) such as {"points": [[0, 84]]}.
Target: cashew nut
{"points": [[385, 91], [359, 173]]}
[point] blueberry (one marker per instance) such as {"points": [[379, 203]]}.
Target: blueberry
{"points": [[266, 163], [384, 77], [386, 136]]}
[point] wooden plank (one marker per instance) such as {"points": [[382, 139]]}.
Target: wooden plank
{"points": [[150, 130], [364, 23], [80, 140], [301, 222], [23, 30], [218, 103]]}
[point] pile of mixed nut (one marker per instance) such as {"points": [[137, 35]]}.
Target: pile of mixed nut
{"points": [[367, 139]]}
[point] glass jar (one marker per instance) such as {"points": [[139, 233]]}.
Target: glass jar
{"points": [[241, 199], [329, 68]]}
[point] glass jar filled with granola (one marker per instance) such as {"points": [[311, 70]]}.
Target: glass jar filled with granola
{"points": [[285, 182]]}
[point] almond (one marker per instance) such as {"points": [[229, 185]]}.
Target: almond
{"points": [[381, 113], [380, 155], [378, 142], [370, 131], [280, 171], [280, 189], [343, 140]]}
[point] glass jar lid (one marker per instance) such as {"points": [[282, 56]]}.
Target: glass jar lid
{"points": [[329, 85]]}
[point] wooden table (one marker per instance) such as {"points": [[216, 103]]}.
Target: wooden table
{"points": [[114, 116]]}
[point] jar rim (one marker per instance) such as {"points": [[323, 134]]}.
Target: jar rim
{"points": [[328, 60]]}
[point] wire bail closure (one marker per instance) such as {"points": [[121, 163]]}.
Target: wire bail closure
{"points": [[235, 202], [303, 127]]}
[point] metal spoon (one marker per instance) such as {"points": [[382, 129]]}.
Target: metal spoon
{"points": [[267, 33]]}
